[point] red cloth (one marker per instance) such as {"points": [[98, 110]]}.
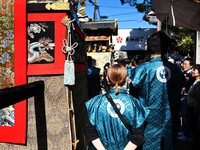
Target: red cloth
{"points": [[17, 133]]}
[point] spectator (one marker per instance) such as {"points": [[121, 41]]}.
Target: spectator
{"points": [[187, 70], [139, 59], [104, 129], [186, 135], [177, 57], [93, 76], [193, 99], [159, 85], [136, 61], [105, 85]]}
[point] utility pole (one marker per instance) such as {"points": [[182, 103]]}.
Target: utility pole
{"points": [[95, 10]]}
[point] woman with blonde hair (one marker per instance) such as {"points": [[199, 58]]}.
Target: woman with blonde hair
{"points": [[104, 129]]}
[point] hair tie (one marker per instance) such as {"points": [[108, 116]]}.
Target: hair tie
{"points": [[116, 85], [117, 88]]}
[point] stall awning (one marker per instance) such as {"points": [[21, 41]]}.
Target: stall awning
{"points": [[183, 13]]}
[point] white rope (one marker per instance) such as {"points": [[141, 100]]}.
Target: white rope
{"points": [[67, 47], [172, 11]]}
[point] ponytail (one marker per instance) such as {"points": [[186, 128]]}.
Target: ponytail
{"points": [[117, 88]]}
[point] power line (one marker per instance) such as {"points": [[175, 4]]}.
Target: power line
{"points": [[121, 14], [98, 7], [111, 6], [116, 7], [131, 20]]}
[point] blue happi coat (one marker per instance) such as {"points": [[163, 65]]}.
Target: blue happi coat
{"points": [[151, 79], [112, 132]]}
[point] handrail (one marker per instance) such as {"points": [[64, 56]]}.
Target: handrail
{"points": [[13, 95]]}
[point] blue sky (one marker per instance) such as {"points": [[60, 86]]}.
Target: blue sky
{"points": [[127, 16]]}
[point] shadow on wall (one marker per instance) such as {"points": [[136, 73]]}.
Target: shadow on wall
{"points": [[80, 96]]}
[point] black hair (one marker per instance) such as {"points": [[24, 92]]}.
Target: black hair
{"points": [[106, 65], [158, 43], [188, 59], [137, 59], [197, 67], [89, 60]]}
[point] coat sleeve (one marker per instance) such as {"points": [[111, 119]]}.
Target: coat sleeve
{"points": [[90, 131], [138, 135]]}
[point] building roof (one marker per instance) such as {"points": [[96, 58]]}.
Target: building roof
{"points": [[105, 27]]}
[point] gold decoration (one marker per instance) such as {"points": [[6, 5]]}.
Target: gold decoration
{"points": [[82, 9], [58, 6], [65, 20]]}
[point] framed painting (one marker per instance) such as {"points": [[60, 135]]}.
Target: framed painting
{"points": [[45, 35], [13, 62]]}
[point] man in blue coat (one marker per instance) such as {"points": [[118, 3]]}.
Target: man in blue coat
{"points": [[159, 84], [93, 78]]}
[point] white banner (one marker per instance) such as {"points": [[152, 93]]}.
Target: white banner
{"points": [[198, 48], [132, 39]]}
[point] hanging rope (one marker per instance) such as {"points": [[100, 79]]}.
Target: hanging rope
{"points": [[69, 49]]}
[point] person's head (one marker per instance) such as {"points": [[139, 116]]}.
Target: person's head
{"points": [[158, 43], [196, 71], [89, 60], [116, 76], [94, 62], [187, 64], [106, 66], [137, 60]]}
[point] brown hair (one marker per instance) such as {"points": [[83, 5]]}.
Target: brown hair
{"points": [[117, 75]]}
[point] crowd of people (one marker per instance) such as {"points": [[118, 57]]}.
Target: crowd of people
{"points": [[146, 104]]}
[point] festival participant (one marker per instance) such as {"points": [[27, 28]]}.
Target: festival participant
{"points": [[104, 129], [93, 78], [158, 83]]}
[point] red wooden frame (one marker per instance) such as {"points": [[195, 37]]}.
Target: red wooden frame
{"points": [[59, 34], [17, 133]]}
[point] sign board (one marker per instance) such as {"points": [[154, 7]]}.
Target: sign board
{"points": [[198, 48], [132, 39], [97, 38]]}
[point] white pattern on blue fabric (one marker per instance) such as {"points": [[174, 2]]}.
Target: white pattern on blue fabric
{"points": [[120, 106], [163, 74]]}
